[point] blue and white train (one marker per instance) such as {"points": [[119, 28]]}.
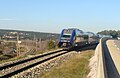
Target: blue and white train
{"points": [[74, 37]]}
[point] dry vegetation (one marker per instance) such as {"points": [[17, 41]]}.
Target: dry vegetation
{"points": [[27, 48], [76, 67]]}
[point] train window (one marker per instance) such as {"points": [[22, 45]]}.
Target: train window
{"points": [[79, 32], [67, 31], [66, 36]]}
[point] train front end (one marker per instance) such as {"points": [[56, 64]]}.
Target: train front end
{"points": [[65, 39]]}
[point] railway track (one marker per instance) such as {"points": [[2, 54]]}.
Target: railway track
{"points": [[19, 66]]}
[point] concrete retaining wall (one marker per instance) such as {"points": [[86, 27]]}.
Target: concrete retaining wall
{"points": [[101, 71]]}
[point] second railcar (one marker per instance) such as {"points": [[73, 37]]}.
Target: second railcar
{"points": [[92, 38]]}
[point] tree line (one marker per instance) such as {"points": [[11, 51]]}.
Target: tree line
{"points": [[112, 33]]}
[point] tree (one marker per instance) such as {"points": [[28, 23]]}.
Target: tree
{"points": [[118, 32], [112, 33], [51, 44]]}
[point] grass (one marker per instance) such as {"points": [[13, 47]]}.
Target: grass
{"points": [[76, 67], [9, 59]]}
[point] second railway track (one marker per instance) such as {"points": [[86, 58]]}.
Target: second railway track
{"points": [[17, 67], [6, 65]]}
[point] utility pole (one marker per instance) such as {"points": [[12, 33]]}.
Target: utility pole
{"points": [[35, 39], [0, 38], [18, 47], [40, 44], [36, 44]]}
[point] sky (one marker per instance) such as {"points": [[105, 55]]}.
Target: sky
{"points": [[55, 15]]}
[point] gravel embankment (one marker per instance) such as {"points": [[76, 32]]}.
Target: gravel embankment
{"points": [[36, 71]]}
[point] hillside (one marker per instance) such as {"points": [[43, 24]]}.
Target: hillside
{"points": [[12, 35]]}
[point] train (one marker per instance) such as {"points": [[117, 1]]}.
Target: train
{"points": [[73, 37]]}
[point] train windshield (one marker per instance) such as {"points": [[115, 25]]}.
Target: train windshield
{"points": [[66, 36], [67, 33]]}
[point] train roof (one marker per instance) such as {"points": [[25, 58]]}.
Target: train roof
{"points": [[90, 32], [73, 29]]}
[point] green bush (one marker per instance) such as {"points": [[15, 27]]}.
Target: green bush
{"points": [[50, 44]]}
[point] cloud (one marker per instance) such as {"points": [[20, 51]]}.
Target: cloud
{"points": [[6, 19]]}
